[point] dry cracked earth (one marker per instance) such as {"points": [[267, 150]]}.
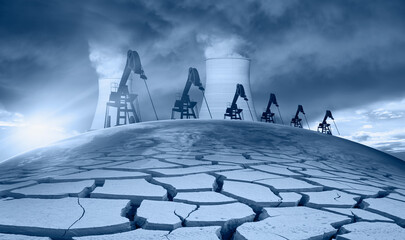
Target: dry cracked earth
{"points": [[202, 180]]}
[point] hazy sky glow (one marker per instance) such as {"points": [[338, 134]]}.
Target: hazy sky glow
{"points": [[346, 56]]}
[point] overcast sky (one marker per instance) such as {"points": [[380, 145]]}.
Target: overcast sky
{"points": [[346, 56]]}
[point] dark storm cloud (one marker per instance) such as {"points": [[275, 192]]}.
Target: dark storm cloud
{"points": [[44, 59], [322, 54]]}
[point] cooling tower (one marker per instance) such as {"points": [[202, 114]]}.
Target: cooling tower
{"points": [[222, 75], [104, 90]]}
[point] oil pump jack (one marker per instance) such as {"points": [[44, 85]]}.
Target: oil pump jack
{"points": [[122, 99], [296, 121], [233, 111], [324, 127], [184, 105], [267, 115]]}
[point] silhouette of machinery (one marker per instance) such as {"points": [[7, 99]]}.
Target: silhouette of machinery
{"points": [[267, 115], [233, 112], [121, 98], [184, 106], [324, 127], [296, 121]]}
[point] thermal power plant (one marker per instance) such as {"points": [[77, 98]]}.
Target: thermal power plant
{"points": [[222, 77]]}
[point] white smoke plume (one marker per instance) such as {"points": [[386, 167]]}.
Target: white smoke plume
{"points": [[215, 46], [107, 61]]}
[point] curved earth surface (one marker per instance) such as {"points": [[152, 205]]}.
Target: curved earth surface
{"points": [[196, 179]]}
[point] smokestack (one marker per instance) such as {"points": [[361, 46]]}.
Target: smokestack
{"points": [[222, 75]]}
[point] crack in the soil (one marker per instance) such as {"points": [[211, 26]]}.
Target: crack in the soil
{"points": [[304, 200], [257, 216], [355, 217], [183, 220], [280, 236], [246, 155], [83, 212], [338, 196], [219, 181]]}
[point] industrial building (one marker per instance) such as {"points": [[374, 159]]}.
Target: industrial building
{"points": [[222, 76]]}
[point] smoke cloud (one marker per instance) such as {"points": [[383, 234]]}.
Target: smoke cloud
{"points": [[107, 62], [230, 46], [337, 55]]}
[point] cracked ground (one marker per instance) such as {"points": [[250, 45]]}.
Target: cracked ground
{"points": [[196, 179]]}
